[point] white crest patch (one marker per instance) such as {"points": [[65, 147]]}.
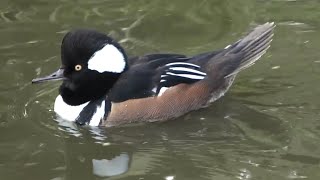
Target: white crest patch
{"points": [[70, 113], [107, 59]]}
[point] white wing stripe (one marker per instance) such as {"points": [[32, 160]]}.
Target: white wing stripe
{"points": [[182, 63], [190, 76], [227, 46], [187, 70]]}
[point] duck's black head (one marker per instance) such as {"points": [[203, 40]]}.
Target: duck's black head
{"points": [[91, 62]]}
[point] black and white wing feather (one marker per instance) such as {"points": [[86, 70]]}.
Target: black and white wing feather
{"points": [[177, 73]]}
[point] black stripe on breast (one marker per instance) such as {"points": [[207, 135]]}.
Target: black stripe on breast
{"points": [[88, 111], [107, 110]]}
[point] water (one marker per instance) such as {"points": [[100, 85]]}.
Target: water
{"points": [[266, 127]]}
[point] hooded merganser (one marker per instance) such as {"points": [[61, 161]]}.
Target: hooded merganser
{"points": [[102, 86]]}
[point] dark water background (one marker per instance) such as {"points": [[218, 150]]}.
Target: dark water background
{"points": [[266, 127]]}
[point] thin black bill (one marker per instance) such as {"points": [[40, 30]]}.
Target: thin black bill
{"points": [[58, 75]]}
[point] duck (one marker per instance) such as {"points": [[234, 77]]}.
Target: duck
{"points": [[102, 86]]}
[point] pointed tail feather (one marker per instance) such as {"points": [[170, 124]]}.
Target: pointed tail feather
{"points": [[251, 47]]}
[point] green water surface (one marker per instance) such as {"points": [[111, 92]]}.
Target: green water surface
{"points": [[266, 127]]}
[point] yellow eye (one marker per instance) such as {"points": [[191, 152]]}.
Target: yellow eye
{"points": [[78, 67]]}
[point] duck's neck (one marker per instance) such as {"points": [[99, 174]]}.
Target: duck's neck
{"points": [[79, 91], [91, 112], [81, 96]]}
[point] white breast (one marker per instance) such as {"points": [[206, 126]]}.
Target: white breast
{"points": [[70, 113]]}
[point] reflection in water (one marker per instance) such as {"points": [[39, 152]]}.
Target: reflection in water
{"points": [[92, 153], [202, 140], [116, 166]]}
